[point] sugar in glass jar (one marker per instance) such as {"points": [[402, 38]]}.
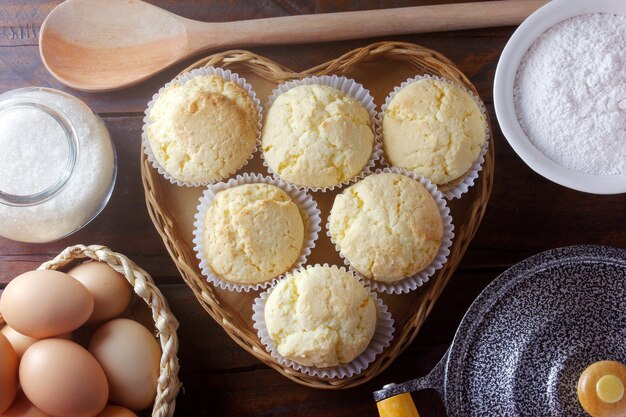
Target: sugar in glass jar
{"points": [[57, 164]]}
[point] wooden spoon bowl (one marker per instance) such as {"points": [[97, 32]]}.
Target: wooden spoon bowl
{"points": [[379, 67], [103, 45]]}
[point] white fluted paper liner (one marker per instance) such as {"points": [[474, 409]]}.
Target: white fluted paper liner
{"points": [[459, 186], [227, 75], [383, 334], [348, 87], [417, 280], [305, 203]]}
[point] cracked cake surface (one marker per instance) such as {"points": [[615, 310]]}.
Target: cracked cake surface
{"points": [[202, 130], [434, 129], [317, 136], [388, 226], [320, 316], [252, 233]]}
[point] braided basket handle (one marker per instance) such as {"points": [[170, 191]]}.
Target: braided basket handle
{"points": [[166, 324]]}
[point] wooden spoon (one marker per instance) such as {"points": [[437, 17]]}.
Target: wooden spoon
{"points": [[97, 45]]}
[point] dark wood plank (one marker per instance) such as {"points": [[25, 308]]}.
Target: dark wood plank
{"points": [[20, 20]]}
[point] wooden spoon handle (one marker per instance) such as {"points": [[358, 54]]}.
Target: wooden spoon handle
{"points": [[363, 24]]}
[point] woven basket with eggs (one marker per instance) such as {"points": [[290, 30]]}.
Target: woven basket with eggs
{"points": [[156, 318]]}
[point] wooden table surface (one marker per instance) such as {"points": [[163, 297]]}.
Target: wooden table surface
{"points": [[526, 214]]}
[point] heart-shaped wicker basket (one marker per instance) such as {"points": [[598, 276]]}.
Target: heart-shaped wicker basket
{"points": [[379, 67]]}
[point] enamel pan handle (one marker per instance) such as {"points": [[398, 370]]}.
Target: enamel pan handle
{"points": [[394, 400]]}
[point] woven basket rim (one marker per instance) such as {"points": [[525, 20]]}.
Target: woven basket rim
{"points": [[168, 384], [423, 60]]}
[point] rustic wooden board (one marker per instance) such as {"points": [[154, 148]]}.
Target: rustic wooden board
{"points": [[526, 214]]}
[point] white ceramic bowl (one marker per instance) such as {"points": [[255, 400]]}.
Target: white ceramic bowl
{"points": [[537, 23]]}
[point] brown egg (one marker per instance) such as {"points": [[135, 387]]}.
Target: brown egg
{"points": [[42, 304], [115, 411], [22, 342], [62, 379], [110, 289], [19, 341], [8, 373], [130, 357], [22, 407]]}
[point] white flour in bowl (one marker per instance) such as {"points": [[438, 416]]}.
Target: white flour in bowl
{"points": [[570, 93]]}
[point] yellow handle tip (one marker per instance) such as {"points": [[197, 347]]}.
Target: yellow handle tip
{"points": [[401, 405]]}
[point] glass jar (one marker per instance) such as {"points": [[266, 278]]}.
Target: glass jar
{"points": [[57, 164]]}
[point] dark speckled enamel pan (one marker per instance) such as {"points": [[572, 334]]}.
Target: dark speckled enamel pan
{"points": [[523, 343]]}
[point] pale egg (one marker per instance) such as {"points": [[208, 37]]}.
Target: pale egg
{"points": [[19, 341], [46, 303], [62, 379], [130, 357], [110, 289], [8, 373]]}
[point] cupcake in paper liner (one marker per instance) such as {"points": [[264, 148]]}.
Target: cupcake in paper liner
{"points": [[319, 132], [252, 229], [202, 127], [394, 228], [437, 129], [322, 321]]}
